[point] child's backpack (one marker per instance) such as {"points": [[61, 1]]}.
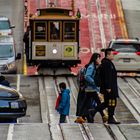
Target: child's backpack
{"points": [[57, 102], [81, 78], [97, 76]]}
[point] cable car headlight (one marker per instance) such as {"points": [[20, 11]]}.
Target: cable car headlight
{"points": [[54, 51]]}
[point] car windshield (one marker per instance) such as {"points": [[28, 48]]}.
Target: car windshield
{"points": [[6, 94], [6, 51], [126, 47], [4, 25]]}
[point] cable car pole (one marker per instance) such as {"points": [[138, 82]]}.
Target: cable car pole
{"points": [[56, 3], [48, 3], [38, 4], [72, 5]]}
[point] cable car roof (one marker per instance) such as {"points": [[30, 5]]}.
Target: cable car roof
{"points": [[54, 10], [54, 17], [51, 13]]}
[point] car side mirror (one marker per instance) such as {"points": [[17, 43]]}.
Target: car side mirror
{"points": [[18, 56], [12, 26]]}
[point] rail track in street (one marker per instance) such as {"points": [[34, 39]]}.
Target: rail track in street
{"points": [[41, 109], [123, 113], [125, 116]]}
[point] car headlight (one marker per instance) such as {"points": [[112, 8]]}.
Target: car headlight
{"points": [[20, 95], [11, 65]]}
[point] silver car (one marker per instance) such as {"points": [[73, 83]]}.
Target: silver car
{"points": [[5, 26], [126, 54], [8, 55]]}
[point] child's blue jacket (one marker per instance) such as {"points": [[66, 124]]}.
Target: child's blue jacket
{"points": [[64, 106]]}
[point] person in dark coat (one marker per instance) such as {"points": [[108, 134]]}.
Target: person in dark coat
{"points": [[108, 87], [64, 106], [4, 82], [26, 41]]}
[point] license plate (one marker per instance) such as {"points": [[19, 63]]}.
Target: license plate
{"points": [[14, 105], [126, 60]]}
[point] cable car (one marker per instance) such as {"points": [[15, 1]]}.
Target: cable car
{"points": [[54, 38]]}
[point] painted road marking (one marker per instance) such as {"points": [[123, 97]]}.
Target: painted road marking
{"points": [[10, 132], [122, 21], [18, 87], [18, 82], [103, 16], [24, 66], [11, 126]]}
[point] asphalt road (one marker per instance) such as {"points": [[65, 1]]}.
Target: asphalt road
{"points": [[132, 15]]}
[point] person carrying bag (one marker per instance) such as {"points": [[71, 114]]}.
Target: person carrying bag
{"points": [[92, 90]]}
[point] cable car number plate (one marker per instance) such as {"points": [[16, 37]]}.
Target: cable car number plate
{"points": [[40, 50]]}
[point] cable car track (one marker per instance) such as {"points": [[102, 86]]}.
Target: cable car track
{"points": [[83, 129], [48, 92], [85, 126], [134, 85], [108, 127], [45, 107], [129, 96]]}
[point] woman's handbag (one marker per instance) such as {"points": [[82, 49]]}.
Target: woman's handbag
{"points": [[89, 90]]}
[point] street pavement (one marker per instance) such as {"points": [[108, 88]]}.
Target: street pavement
{"points": [[132, 16]]}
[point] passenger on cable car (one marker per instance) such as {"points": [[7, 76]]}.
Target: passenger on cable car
{"points": [[55, 34]]}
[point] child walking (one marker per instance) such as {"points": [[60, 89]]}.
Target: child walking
{"points": [[64, 105]]}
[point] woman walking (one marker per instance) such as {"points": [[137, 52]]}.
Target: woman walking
{"points": [[91, 91]]}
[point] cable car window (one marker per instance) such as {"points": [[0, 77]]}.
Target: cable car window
{"points": [[69, 31], [54, 27], [40, 31]]}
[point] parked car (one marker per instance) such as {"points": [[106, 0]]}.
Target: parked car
{"points": [[126, 54], [12, 103], [5, 26], [8, 55]]}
